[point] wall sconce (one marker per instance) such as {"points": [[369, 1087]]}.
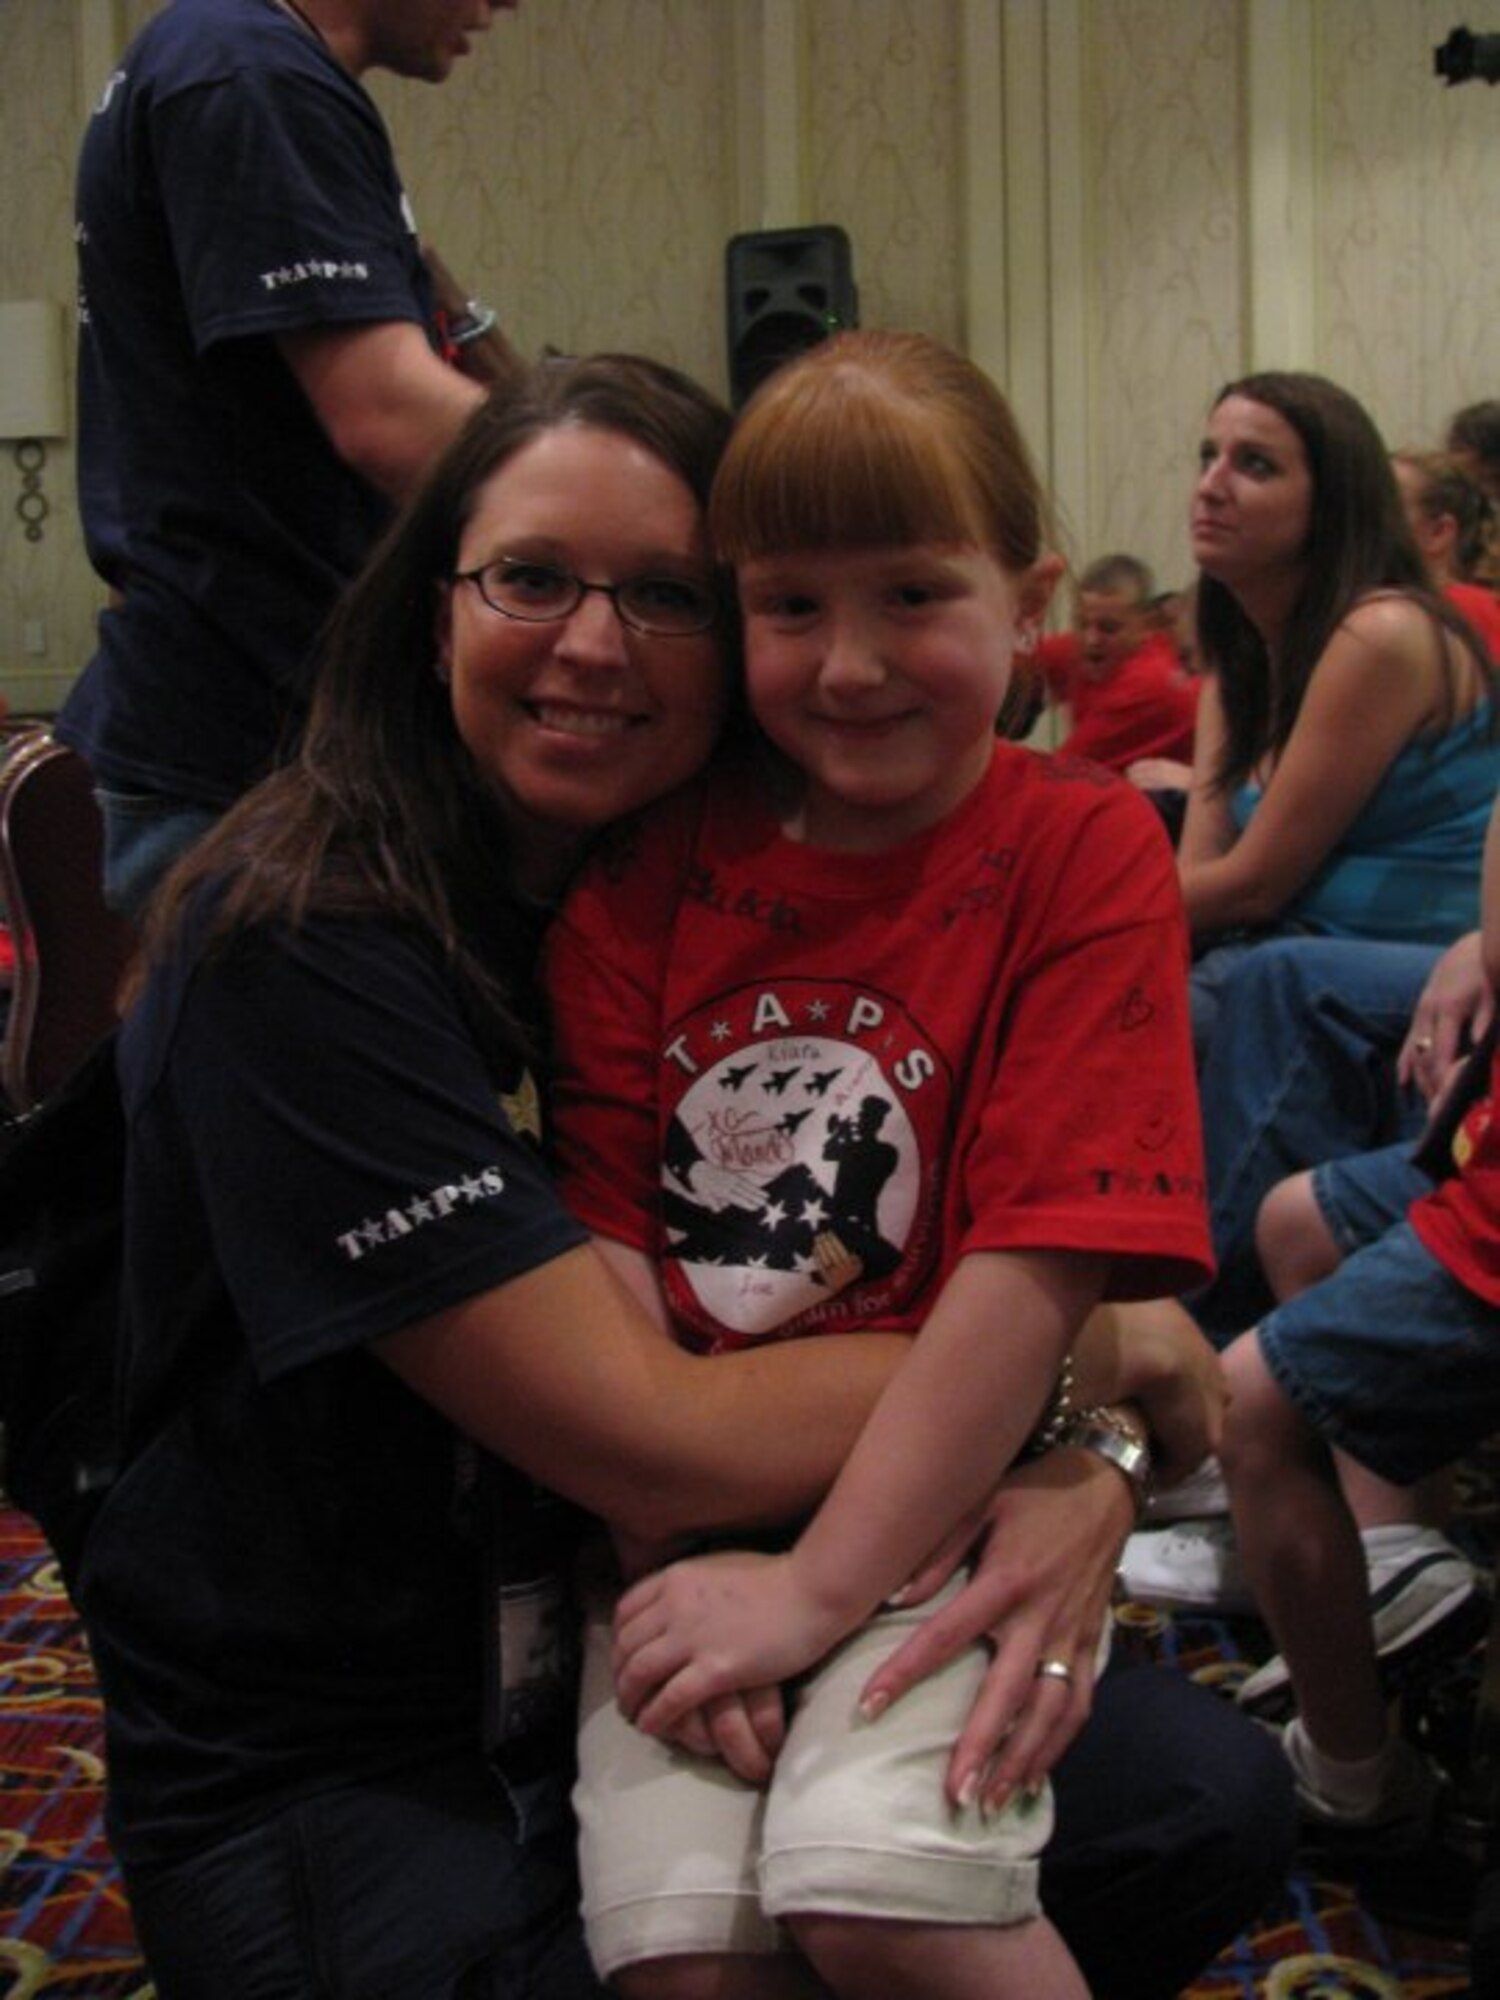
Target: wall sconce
{"points": [[33, 396]]}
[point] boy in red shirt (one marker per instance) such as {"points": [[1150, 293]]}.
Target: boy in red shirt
{"points": [[1386, 1349], [1118, 673]]}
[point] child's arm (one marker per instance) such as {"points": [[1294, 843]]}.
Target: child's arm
{"points": [[744, 1729], [953, 1417]]}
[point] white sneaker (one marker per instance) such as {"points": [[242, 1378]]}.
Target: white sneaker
{"points": [[1190, 1566], [1202, 1493], [1402, 1819], [1425, 1601]]}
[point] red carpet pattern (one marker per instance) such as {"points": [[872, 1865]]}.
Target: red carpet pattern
{"points": [[65, 1928]]}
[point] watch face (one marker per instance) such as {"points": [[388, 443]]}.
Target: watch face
{"points": [[1126, 1453]]}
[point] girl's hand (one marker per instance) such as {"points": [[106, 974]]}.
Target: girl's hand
{"points": [[710, 1626], [744, 1731], [1040, 1591]]}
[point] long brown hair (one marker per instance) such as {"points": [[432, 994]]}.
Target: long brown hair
{"points": [[1358, 542], [383, 808]]}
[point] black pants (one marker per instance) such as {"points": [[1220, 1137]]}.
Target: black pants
{"points": [[1174, 1827]]}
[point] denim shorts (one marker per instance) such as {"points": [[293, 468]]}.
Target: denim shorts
{"points": [[1390, 1358]]}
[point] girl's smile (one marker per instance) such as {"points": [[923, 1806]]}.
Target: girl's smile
{"points": [[880, 673]]}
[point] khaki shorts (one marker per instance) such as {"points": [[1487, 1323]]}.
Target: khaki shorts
{"points": [[679, 1856]]}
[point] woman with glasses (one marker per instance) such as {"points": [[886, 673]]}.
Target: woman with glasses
{"points": [[370, 1364]]}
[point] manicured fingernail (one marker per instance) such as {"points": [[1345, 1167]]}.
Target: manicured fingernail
{"points": [[898, 1597], [872, 1706], [968, 1791]]}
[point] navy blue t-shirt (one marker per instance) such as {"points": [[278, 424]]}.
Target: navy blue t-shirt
{"points": [[235, 183], [283, 1590]]}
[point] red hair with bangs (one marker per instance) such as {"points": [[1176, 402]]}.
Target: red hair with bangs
{"points": [[877, 440]]}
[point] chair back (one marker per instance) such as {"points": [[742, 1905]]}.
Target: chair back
{"points": [[70, 949]]}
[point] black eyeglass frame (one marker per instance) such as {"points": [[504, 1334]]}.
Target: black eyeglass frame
{"points": [[713, 606]]}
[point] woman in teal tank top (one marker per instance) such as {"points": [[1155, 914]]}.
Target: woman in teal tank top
{"points": [[1345, 760]]}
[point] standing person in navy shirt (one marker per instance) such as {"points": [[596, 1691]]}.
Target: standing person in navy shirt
{"points": [[264, 369]]}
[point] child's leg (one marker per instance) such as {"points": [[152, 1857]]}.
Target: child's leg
{"points": [[714, 1977], [667, 1849], [864, 1958], [1302, 1555], [889, 1889], [1299, 1246]]}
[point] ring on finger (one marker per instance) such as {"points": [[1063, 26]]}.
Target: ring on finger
{"points": [[1054, 1670]]}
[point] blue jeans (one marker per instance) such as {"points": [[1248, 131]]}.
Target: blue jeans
{"points": [[1300, 1068], [144, 833]]}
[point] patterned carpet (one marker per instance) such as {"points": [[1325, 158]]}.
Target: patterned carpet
{"points": [[65, 1930], [1397, 1933]]}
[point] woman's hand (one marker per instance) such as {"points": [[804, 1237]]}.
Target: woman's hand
{"points": [[1041, 1588], [1453, 1011]]}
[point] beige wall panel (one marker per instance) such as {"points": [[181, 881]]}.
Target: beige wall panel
{"points": [[1408, 240], [47, 594], [1163, 142], [883, 154], [575, 171]]}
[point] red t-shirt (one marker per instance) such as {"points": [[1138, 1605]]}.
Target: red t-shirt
{"points": [[1147, 706], [1460, 1221], [1481, 608], [977, 1040]]}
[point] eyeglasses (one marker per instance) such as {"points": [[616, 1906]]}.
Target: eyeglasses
{"points": [[668, 607]]}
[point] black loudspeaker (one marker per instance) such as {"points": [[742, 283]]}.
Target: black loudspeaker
{"points": [[785, 290]]}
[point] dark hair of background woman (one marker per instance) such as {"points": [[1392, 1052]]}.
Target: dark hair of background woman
{"points": [[1358, 542]]}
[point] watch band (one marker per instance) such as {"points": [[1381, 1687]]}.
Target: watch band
{"points": [[1110, 1435]]}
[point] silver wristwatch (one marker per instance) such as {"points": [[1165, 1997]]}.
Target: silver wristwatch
{"points": [[1110, 1434]]}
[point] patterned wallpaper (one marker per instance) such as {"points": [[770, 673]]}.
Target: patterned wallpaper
{"points": [[575, 171], [1408, 279], [1145, 197], [883, 157], [1161, 138], [47, 593]]}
